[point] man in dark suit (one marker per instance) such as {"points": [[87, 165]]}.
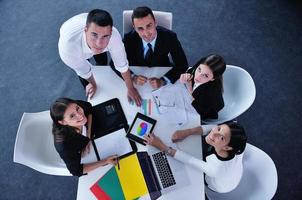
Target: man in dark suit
{"points": [[150, 45]]}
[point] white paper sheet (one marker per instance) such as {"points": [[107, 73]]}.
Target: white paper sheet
{"points": [[170, 102], [113, 143], [90, 157]]}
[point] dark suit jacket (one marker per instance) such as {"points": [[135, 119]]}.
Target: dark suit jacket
{"points": [[208, 99], [166, 42]]}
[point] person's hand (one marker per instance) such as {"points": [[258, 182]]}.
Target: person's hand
{"points": [[139, 79], [185, 78], [155, 141], [133, 95], [90, 90], [111, 159], [155, 82], [86, 150], [179, 135]]}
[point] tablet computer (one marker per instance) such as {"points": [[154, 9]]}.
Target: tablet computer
{"points": [[141, 125]]}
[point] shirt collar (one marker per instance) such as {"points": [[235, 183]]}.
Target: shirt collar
{"points": [[145, 44]]}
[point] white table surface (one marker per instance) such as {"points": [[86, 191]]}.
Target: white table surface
{"points": [[111, 86]]}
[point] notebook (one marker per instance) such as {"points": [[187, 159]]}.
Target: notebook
{"points": [[114, 143], [109, 126], [108, 117]]}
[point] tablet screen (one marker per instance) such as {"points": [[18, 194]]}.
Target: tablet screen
{"points": [[141, 126]]}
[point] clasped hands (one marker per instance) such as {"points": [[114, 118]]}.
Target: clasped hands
{"points": [[154, 82]]}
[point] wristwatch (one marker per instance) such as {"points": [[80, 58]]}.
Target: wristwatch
{"points": [[168, 151]]}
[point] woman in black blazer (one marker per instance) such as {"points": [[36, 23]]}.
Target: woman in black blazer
{"points": [[204, 82], [72, 132]]}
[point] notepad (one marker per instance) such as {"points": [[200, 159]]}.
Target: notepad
{"points": [[114, 143]]}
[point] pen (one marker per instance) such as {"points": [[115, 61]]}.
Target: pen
{"points": [[118, 163]]}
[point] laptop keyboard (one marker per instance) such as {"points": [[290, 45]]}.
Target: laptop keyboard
{"points": [[163, 169]]}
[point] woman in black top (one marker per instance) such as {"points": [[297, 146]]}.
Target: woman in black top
{"points": [[72, 132], [204, 82]]}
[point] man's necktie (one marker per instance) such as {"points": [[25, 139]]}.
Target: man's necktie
{"points": [[149, 55]]}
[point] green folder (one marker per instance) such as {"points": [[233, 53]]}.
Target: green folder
{"points": [[111, 184]]}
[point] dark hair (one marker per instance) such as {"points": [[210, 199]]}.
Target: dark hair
{"points": [[238, 138], [215, 62], [99, 17], [141, 12], [57, 111]]}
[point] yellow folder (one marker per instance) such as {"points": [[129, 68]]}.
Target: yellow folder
{"points": [[131, 177]]}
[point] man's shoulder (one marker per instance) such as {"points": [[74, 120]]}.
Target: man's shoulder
{"points": [[115, 32], [132, 35], [74, 25], [165, 31], [71, 33]]}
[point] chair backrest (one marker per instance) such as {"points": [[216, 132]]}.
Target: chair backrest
{"points": [[259, 179], [239, 94], [34, 145], [163, 19]]}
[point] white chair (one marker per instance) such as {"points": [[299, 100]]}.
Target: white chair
{"points": [[163, 19], [239, 94], [259, 179], [34, 145]]}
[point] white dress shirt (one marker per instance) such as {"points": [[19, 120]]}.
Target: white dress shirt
{"points": [[145, 45], [146, 48], [74, 51], [221, 176]]}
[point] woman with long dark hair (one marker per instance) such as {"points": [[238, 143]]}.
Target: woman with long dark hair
{"points": [[223, 146], [204, 83], [72, 132]]}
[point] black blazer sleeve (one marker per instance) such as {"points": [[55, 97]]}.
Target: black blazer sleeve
{"points": [[70, 151], [179, 59]]}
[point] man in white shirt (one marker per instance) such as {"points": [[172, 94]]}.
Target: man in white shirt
{"points": [[89, 34]]}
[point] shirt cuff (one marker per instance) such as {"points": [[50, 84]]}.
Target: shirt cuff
{"points": [[86, 75], [182, 156], [122, 69], [187, 159]]}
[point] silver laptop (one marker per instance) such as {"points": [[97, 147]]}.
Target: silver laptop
{"points": [[160, 177]]}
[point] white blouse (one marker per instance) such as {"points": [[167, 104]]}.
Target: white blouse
{"points": [[221, 176]]}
